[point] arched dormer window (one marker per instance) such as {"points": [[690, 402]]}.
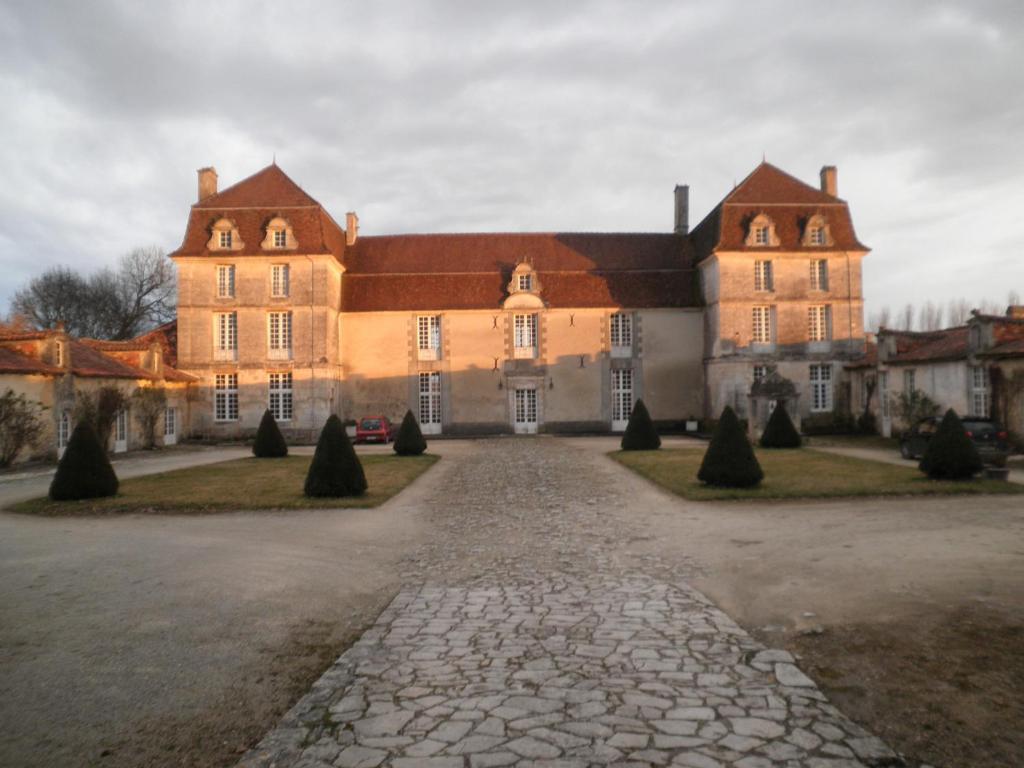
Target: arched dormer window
{"points": [[224, 236], [524, 287], [761, 233], [816, 232], [279, 236]]}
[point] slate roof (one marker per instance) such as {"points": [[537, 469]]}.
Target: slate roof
{"points": [[789, 202]]}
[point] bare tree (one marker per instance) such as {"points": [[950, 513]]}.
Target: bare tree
{"points": [[1013, 299], [930, 317], [100, 409], [110, 304], [150, 404], [21, 425], [905, 321], [958, 311]]}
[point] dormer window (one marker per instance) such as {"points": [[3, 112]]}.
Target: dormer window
{"points": [[224, 236], [524, 288], [279, 235], [816, 233], [761, 233], [60, 354], [280, 238], [816, 236], [525, 282]]}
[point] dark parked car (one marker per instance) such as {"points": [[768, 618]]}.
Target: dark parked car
{"points": [[988, 437], [374, 429]]}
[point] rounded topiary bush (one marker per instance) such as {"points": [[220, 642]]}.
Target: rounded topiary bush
{"points": [[409, 441], [84, 471], [950, 455], [780, 432], [269, 442], [335, 469], [640, 434], [729, 461]]}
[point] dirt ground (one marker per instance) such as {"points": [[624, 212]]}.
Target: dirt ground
{"points": [[179, 641]]}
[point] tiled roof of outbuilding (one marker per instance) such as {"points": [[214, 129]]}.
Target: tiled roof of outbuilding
{"points": [[15, 362], [929, 346]]}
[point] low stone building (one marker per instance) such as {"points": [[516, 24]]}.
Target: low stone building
{"points": [[282, 307], [55, 370]]}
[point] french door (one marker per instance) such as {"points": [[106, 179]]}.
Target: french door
{"points": [[622, 398], [525, 415], [430, 403], [121, 431], [170, 426]]}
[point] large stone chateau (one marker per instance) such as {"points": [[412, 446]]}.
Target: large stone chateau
{"points": [[281, 306]]}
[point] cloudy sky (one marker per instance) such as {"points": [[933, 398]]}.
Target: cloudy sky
{"points": [[477, 116]]}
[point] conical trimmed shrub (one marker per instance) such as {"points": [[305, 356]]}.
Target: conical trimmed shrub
{"points": [[729, 461], [640, 434], [780, 432], [335, 469], [84, 471], [269, 442], [950, 455], [409, 441]]}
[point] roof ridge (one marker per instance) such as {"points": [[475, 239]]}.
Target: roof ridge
{"points": [[272, 168]]}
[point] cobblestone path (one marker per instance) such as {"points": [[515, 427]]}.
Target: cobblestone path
{"points": [[529, 635]]}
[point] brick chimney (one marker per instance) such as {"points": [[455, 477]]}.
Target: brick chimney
{"points": [[1015, 311], [829, 182], [682, 226], [351, 228], [207, 182]]}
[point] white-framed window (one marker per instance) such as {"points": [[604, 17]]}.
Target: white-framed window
{"points": [[430, 401], [63, 430], [280, 238], [279, 335], [280, 401], [170, 421], [762, 234], [225, 335], [225, 278], [525, 282], [909, 380], [819, 322], [224, 238], [622, 334], [819, 274], [883, 392], [762, 325], [60, 354], [980, 403], [525, 331], [816, 235], [279, 280], [622, 397], [821, 388], [428, 337], [225, 397], [760, 372], [764, 279]]}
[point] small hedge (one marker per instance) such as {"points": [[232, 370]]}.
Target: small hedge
{"points": [[335, 470], [729, 461], [84, 471], [780, 432], [640, 434], [951, 454], [269, 443], [409, 441]]}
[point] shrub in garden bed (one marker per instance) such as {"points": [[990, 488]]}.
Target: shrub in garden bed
{"points": [[729, 461], [640, 434], [950, 455], [335, 469], [84, 471], [780, 432], [409, 441], [269, 443]]}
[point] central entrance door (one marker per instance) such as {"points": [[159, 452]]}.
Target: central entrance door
{"points": [[430, 403], [525, 411], [622, 398]]}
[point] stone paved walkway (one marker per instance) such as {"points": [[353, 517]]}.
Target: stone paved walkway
{"points": [[527, 638]]}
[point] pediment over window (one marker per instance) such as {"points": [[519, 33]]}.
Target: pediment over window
{"points": [[761, 232], [279, 236], [524, 288], [816, 232], [224, 236]]}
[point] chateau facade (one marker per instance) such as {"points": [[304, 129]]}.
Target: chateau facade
{"points": [[281, 306]]}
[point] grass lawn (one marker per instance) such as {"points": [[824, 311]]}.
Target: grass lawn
{"points": [[853, 441], [799, 474], [240, 484]]}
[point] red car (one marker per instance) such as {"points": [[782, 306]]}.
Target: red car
{"points": [[374, 429]]}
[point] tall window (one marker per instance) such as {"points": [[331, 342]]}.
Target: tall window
{"points": [[525, 332], [428, 337], [979, 392], [821, 388], [909, 381], [622, 334], [622, 397], [225, 239], [281, 396], [225, 332], [63, 430], [819, 274], [225, 397], [764, 280], [225, 279], [525, 282], [819, 322], [170, 422], [279, 333], [430, 400], [883, 392], [279, 280], [280, 238], [762, 330]]}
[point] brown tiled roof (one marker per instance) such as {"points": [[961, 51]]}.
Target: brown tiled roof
{"points": [[930, 346], [868, 360], [14, 362], [251, 204], [90, 362], [788, 202], [471, 271], [166, 336], [1007, 349], [24, 335]]}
